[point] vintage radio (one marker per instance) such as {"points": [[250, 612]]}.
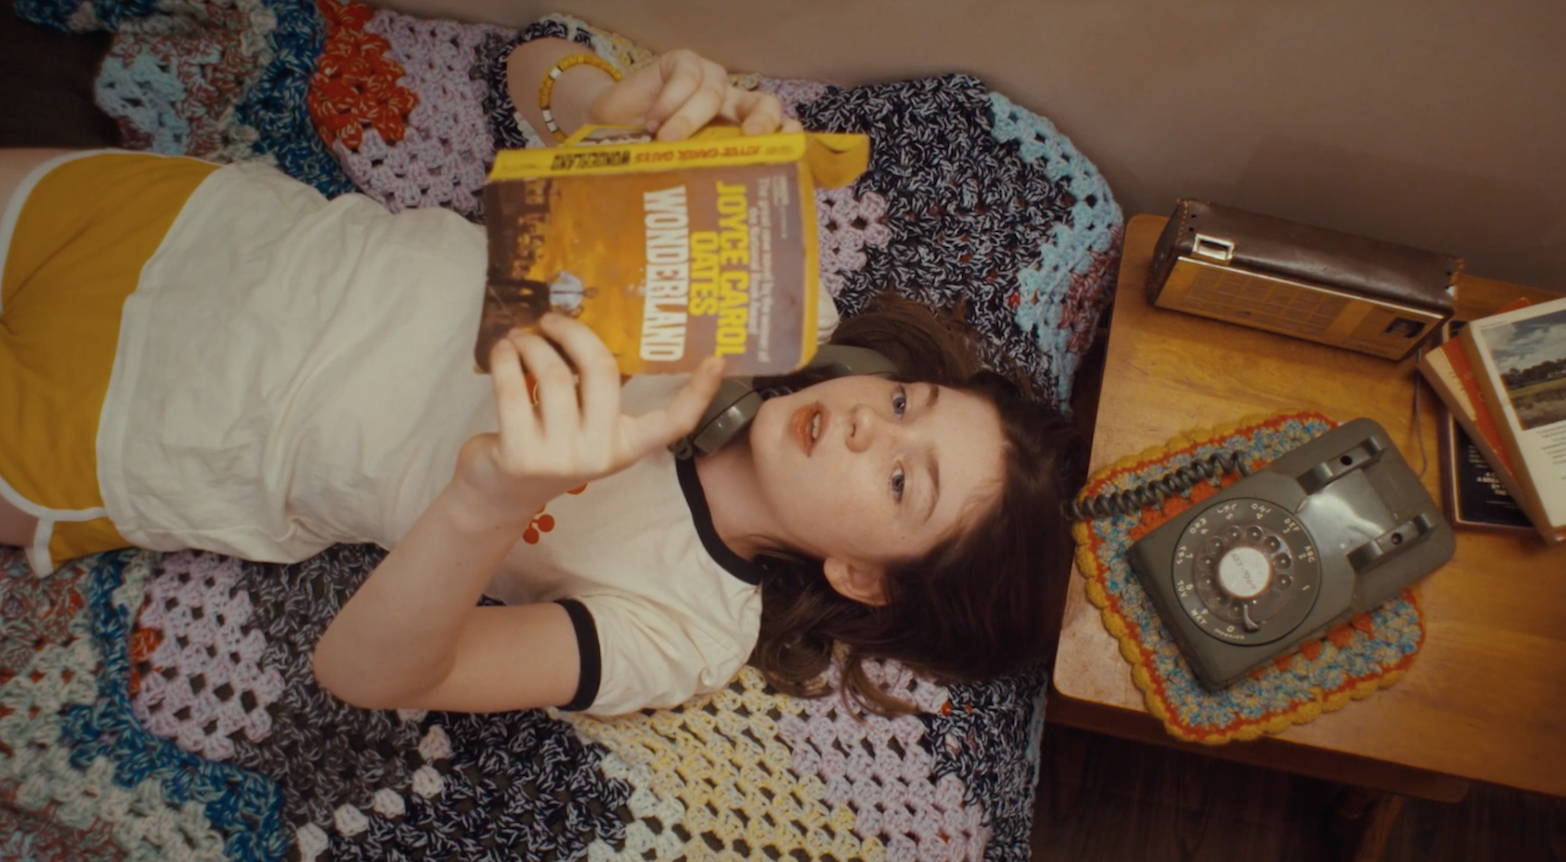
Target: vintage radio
{"points": [[1269, 273]]}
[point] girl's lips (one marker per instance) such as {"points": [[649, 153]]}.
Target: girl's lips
{"points": [[800, 424]]}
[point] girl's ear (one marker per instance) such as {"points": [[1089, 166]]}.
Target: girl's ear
{"points": [[865, 584]]}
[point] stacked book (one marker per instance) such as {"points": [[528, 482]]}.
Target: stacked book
{"points": [[1503, 380]]}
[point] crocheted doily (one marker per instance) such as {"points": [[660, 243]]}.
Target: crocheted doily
{"points": [[1352, 661]]}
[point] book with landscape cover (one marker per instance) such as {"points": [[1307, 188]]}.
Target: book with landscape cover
{"points": [[1518, 359], [1476, 481], [670, 251]]}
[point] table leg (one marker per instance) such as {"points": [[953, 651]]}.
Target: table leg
{"points": [[1363, 819]]}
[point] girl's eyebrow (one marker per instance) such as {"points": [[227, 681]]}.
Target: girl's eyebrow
{"points": [[932, 466]]}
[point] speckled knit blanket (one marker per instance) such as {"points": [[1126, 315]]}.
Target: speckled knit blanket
{"points": [[162, 706], [971, 203]]}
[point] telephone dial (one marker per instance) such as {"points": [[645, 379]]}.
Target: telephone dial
{"points": [[1330, 529], [738, 399]]}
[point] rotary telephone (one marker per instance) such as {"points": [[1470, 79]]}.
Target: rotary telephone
{"points": [[1332, 528], [738, 399]]}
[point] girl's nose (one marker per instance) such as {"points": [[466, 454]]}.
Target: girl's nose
{"points": [[863, 428]]}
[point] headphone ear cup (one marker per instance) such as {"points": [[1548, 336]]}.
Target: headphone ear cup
{"points": [[731, 410], [737, 401]]}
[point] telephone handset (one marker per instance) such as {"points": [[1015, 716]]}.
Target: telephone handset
{"points": [[737, 401], [1330, 529]]}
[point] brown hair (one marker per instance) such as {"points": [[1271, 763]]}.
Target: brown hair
{"points": [[971, 609]]}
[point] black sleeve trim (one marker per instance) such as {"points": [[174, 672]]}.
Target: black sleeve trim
{"points": [[587, 647]]}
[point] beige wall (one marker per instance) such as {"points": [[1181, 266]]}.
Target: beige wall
{"points": [[1438, 123]]}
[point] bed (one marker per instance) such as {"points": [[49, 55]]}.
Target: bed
{"points": [[162, 706]]}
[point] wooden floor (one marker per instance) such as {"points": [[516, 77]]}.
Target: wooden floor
{"points": [[1102, 798]]}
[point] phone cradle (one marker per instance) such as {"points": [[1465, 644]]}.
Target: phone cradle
{"points": [[1332, 528]]}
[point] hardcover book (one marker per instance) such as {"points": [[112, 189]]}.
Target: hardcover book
{"points": [[1475, 492], [1519, 360], [1451, 376], [670, 251]]}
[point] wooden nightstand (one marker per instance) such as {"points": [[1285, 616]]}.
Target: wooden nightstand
{"points": [[1486, 698]]}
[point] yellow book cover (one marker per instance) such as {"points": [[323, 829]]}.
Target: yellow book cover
{"points": [[670, 251]]}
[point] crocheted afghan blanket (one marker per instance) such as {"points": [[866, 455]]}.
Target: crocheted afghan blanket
{"points": [[971, 203], [162, 706]]}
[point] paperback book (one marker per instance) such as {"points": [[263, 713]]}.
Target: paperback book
{"points": [[670, 251], [1518, 361], [1475, 492]]}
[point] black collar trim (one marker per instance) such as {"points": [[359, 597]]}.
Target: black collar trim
{"points": [[701, 514]]}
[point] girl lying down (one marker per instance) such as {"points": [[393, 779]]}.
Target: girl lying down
{"points": [[216, 357]]}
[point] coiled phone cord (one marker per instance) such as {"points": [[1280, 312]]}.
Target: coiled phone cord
{"points": [[1153, 492]]}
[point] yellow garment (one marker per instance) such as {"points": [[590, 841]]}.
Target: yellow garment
{"points": [[75, 236]]}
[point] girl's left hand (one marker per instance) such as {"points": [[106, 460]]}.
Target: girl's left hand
{"points": [[681, 92], [574, 431]]}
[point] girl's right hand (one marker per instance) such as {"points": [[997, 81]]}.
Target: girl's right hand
{"points": [[573, 431], [681, 92]]}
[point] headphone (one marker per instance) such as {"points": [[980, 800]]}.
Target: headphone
{"points": [[735, 405]]}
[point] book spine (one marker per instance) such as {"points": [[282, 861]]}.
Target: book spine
{"points": [[1483, 419], [1468, 463], [1488, 445], [811, 248], [637, 157], [1551, 525]]}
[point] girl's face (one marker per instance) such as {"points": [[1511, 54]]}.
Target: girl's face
{"points": [[871, 472]]}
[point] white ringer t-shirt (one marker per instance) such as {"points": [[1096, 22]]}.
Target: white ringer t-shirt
{"points": [[294, 372], [675, 612]]}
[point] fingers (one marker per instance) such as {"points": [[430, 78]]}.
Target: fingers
{"points": [[598, 373], [694, 89], [692, 399], [756, 112], [557, 401], [682, 92], [516, 420], [659, 428], [578, 416], [625, 103]]}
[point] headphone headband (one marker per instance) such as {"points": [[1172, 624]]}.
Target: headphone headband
{"points": [[735, 405]]}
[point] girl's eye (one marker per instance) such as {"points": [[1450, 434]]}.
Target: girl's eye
{"points": [[900, 401], [897, 483]]}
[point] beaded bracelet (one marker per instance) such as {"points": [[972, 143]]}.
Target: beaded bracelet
{"points": [[547, 86]]}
